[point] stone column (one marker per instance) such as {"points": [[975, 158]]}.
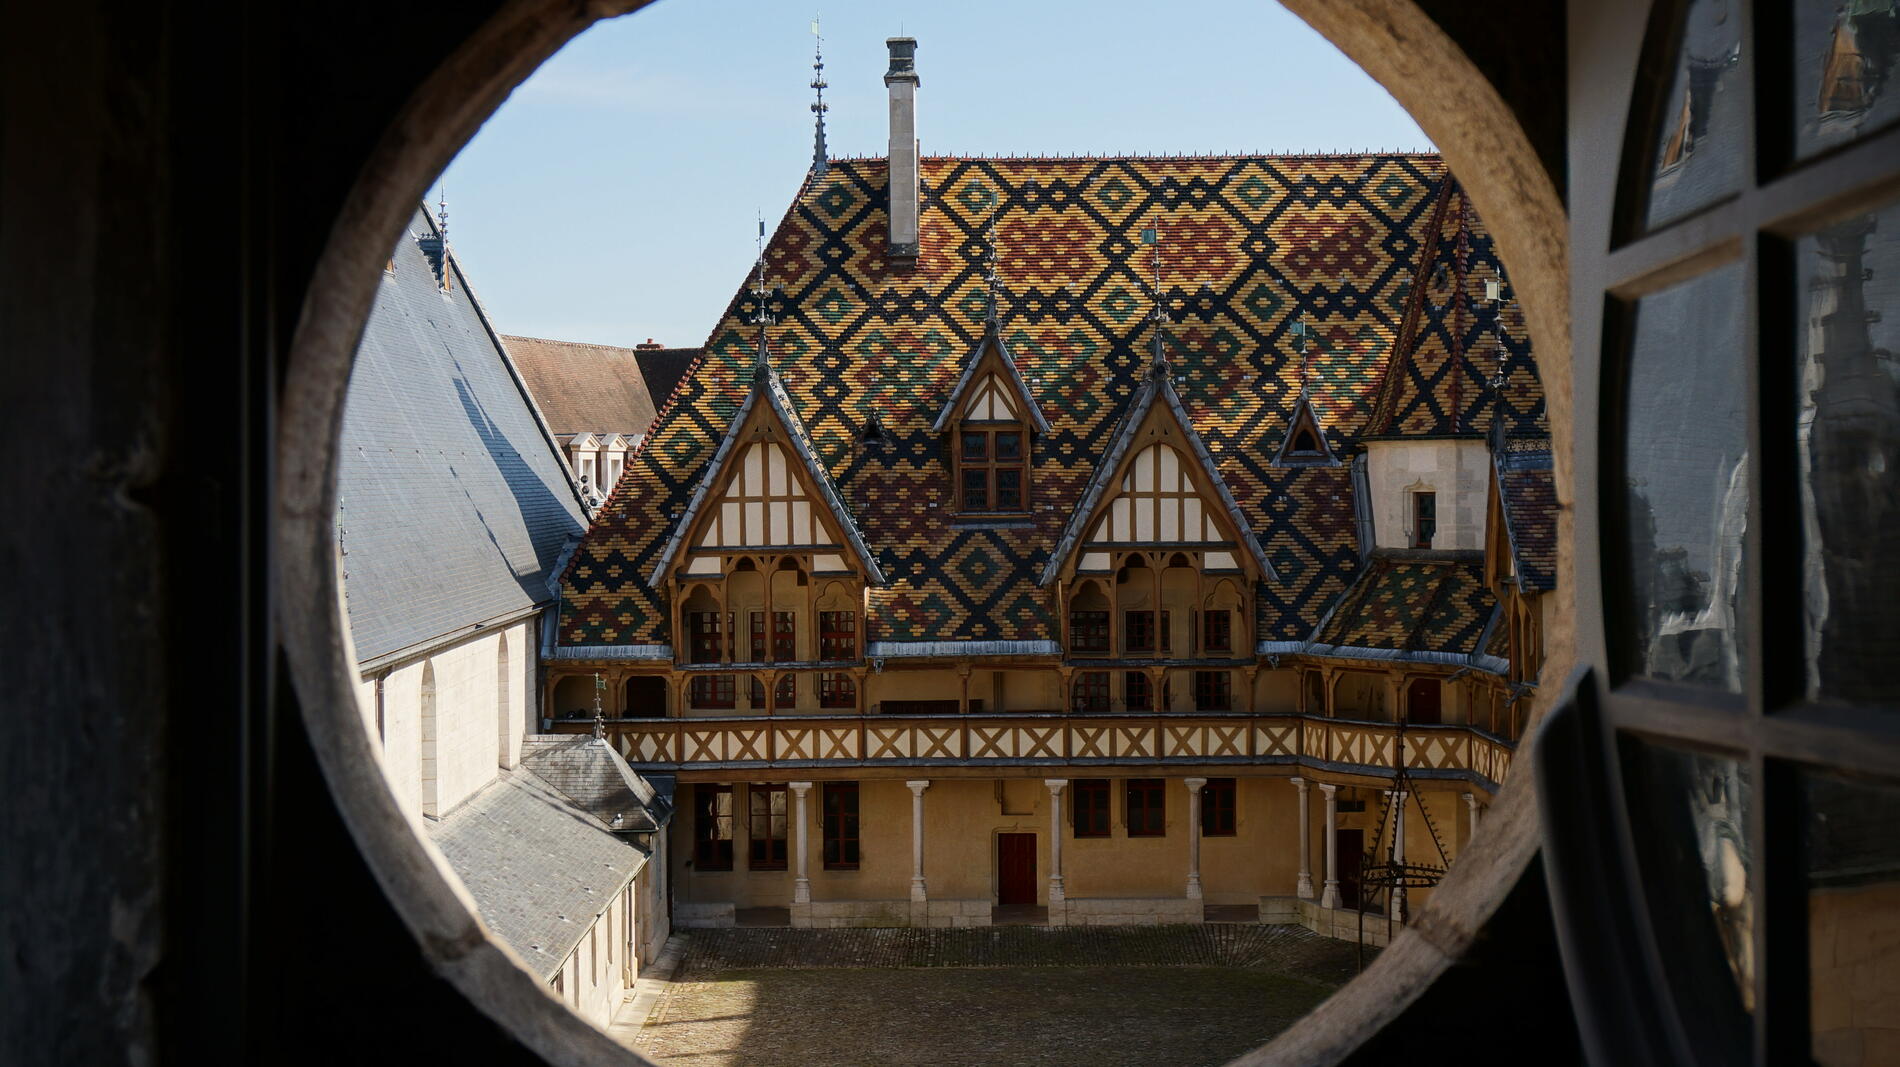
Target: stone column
{"points": [[1329, 898], [1194, 787], [918, 894], [1304, 887], [1471, 814], [1397, 903], [801, 884], [1056, 893]]}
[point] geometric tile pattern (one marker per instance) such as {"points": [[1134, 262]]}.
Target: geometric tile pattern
{"points": [[1529, 494], [1413, 605], [1249, 244]]}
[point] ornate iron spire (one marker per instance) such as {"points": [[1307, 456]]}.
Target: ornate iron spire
{"points": [[991, 279], [1158, 365], [762, 314], [819, 157]]}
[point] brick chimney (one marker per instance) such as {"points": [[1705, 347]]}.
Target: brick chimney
{"points": [[902, 82]]}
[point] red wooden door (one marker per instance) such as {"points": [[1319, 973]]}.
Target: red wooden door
{"points": [[1016, 869], [1350, 844]]}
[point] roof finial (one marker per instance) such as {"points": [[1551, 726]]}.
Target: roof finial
{"points": [[442, 210], [1299, 342], [762, 316], [1158, 367], [820, 160], [990, 278]]}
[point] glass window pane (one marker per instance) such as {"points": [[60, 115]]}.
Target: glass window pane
{"points": [[1849, 430], [1851, 852], [1686, 461], [1844, 57], [1690, 815], [1699, 144], [1009, 446], [976, 446]]}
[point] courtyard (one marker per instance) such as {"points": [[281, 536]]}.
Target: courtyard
{"points": [[999, 995]]}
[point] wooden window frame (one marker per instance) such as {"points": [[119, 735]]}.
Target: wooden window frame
{"points": [[1091, 809], [1091, 632], [1422, 501], [836, 689], [716, 691], [703, 645], [707, 844], [1220, 799], [784, 637], [1089, 693], [1217, 630], [1213, 691], [776, 849], [838, 633], [1145, 806], [755, 636], [841, 847], [784, 694], [1163, 627], [989, 465]]}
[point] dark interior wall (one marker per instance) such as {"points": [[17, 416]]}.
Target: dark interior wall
{"points": [[176, 885], [1520, 49]]}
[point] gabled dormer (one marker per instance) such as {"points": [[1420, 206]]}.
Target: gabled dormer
{"points": [[990, 421], [1157, 487], [1305, 442], [765, 491]]}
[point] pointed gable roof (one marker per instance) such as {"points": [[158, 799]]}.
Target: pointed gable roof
{"points": [[768, 396], [1156, 390], [991, 351], [1304, 419]]}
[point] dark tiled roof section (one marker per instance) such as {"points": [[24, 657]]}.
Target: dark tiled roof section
{"points": [[1439, 380], [452, 503], [1413, 603], [663, 369], [1528, 487], [584, 388], [538, 866], [1248, 244], [594, 777]]}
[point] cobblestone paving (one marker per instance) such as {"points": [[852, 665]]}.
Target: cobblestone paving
{"points": [[1006, 995]]}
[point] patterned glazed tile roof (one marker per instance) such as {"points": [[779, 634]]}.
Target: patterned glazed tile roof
{"points": [[1248, 245], [1528, 488], [1407, 602]]}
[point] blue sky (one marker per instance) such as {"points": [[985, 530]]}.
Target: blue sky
{"points": [[613, 196]]}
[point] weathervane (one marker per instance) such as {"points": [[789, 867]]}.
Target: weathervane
{"points": [[819, 161]]}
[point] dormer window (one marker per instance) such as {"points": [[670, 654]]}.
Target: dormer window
{"points": [[1305, 444], [991, 469]]}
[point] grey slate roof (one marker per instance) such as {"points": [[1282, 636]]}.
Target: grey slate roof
{"points": [[1158, 385], [538, 866], [453, 505], [767, 387], [593, 777]]}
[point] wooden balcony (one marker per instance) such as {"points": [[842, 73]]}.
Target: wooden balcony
{"points": [[1046, 741]]}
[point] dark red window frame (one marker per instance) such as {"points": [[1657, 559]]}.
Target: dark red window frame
{"points": [[1091, 817], [785, 636], [838, 636], [1218, 808], [837, 690], [1088, 632], [1213, 691], [1090, 692], [768, 827], [704, 640], [713, 691], [755, 634], [712, 827], [1147, 807], [1138, 631], [992, 470], [840, 806], [1217, 631]]}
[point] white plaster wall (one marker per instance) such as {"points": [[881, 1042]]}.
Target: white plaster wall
{"points": [[473, 740], [1458, 471]]}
